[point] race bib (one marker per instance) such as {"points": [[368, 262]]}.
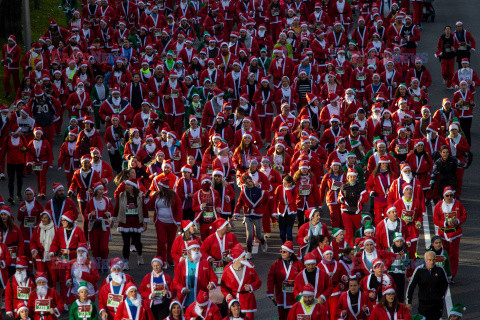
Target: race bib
{"points": [[407, 216], [217, 267], [23, 293], [29, 222], [175, 94], [208, 216], [195, 143], [336, 185], [37, 166], [114, 300], [304, 190], [13, 251], [42, 305], [304, 317], [361, 77], [402, 148], [287, 286], [340, 70], [131, 209], [226, 256], [85, 311]]}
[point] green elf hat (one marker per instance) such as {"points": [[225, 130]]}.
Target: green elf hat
{"points": [[352, 42], [205, 80], [82, 285], [352, 155], [398, 236], [365, 216], [458, 310], [170, 52], [206, 33], [368, 227], [375, 139], [336, 232], [418, 317], [354, 143]]}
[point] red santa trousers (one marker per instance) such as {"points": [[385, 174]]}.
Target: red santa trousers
{"points": [[266, 123], [335, 216], [99, 244], [417, 14], [14, 73], [459, 174], [452, 248], [282, 313], [379, 209], [166, 233], [205, 230], [176, 123], [448, 67], [49, 132], [351, 222], [42, 179], [47, 267]]}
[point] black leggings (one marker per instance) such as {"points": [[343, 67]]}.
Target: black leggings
{"points": [[116, 161], [12, 170], [466, 124], [131, 238]]}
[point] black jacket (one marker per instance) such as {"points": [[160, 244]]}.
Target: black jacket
{"points": [[432, 285]]}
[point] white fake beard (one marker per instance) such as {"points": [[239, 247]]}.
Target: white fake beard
{"points": [[173, 83], [117, 277], [376, 116], [81, 257], [223, 159], [429, 136], [196, 256], [198, 310], [169, 143], [266, 170], [116, 101], [150, 147], [407, 177], [261, 33], [137, 140], [80, 90], [42, 290], [349, 98], [447, 207], [136, 301], [21, 276], [341, 58], [220, 101], [247, 263]]}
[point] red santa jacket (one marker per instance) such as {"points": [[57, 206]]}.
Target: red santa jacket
{"points": [[317, 312], [345, 304], [396, 190], [231, 284], [216, 249], [67, 205], [143, 312], [366, 287], [14, 241], [8, 260], [124, 111], [61, 243], [106, 301], [308, 192], [179, 248], [181, 190], [323, 284], [88, 272], [381, 233], [177, 154], [52, 299], [79, 105], [330, 187], [11, 56], [195, 143], [172, 98], [284, 200], [464, 103], [199, 213], [210, 312], [433, 146], [42, 155], [204, 275], [36, 245], [458, 148], [360, 265], [67, 158], [412, 213], [13, 296], [305, 230], [28, 217], [443, 213], [379, 313], [227, 194], [84, 141], [81, 186], [278, 69], [148, 287], [279, 278], [16, 154], [250, 208], [421, 167]]}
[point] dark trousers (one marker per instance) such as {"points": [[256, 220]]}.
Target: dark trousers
{"points": [[131, 238], [188, 214], [431, 310], [161, 311], [116, 161], [300, 217], [285, 225], [399, 279], [12, 171], [466, 124]]}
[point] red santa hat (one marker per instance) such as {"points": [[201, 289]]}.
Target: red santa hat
{"points": [[41, 276], [288, 245], [205, 179], [309, 258], [158, 259], [333, 118], [376, 262], [383, 159], [220, 223], [336, 161], [388, 289], [352, 172], [448, 190], [164, 182], [193, 244], [221, 146], [400, 129], [186, 224], [85, 158], [20, 307], [192, 118], [82, 246], [21, 262], [406, 186], [88, 119], [338, 140], [222, 115], [304, 165], [30, 189], [202, 298], [167, 163], [97, 185], [130, 286], [309, 213], [418, 142], [116, 89], [326, 250], [404, 166], [465, 60], [116, 262], [53, 22], [308, 290], [237, 252], [48, 213], [186, 168], [68, 216]]}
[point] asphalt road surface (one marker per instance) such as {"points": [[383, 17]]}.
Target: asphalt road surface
{"points": [[465, 289]]}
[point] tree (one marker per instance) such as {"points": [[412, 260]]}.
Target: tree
{"points": [[11, 18]]}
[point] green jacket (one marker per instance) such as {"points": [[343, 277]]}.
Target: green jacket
{"points": [[74, 314], [265, 65]]}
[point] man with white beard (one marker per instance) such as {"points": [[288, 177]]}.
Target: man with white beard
{"points": [[46, 303], [18, 287], [350, 105], [116, 105], [81, 269], [193, 275], [134, 307], [396, 188], [102, 167], [212, 108]]}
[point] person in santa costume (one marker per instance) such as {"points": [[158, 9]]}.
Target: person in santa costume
{"points": [[240, 280], [185, 188], [133, 307], [224, 188], [195, 140], [40, 242], [179, 246], [44, 303], [40, 158], [458, 147], [375, 283], [353, 304], [103, 168], [87, 138], [112, 291], [175, 311], [316, 277], [285, 207], [12, 237], [173, 94], [308, 307], [364, 259], [83, 307], [281, 278], [83, 181], [99, 210], [59, 204], [193, 275], [79, 103], [448, 215], [389, 305], [309, 233], [175, 151], [79, 270], [133, 218], [167, 208], [218, 246], [329, 188], [206, 205], [68, 160], [386, 228], [203, 308], [406, 177], [29, 215], [156, 289], [19, 287], [16, 150], [11, 54], [378, 185], [64, 246]]}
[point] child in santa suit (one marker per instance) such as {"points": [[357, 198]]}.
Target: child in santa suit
{"points": [[81, 269], [179, 246], [281, 278], [155, 289], [28, 216], [308, 306], [12, 238], [42, 238], [203, 308], [321, 281], [133, 307], [193, 275], [241, 288], [64, 246], [353, 304], [18, 287], [448, 216], [39, 158], [206, 205], [83, 308], [217, 247], [112, 292], [44, 303]]}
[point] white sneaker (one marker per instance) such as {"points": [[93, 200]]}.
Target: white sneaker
{"points": [[249, 255], [132, 248], [264, 246], [125, 265], [140, 260]]}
